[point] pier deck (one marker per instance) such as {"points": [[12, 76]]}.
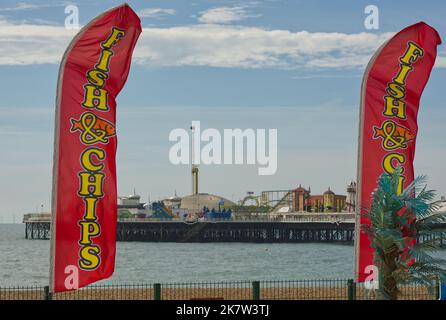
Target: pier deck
{"points": [[281, 229]]}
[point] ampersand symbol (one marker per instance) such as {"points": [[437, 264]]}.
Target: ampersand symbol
{"points": [[91, 134], [392, 141]]}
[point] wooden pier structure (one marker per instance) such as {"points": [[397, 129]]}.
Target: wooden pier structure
{"points": [[260, 228], [328, 228], [235, 231], [37, 226]]}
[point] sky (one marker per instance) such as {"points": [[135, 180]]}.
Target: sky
{"points": [[295, 66]]}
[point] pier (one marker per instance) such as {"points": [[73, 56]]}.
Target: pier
{"points": [[37, 226], [296, 228]]}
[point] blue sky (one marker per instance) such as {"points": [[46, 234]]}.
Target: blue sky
{"points": [[291, 65]]}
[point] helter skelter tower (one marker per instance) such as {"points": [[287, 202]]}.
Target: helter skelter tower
{"points": [[351, 197], [194, 163]]}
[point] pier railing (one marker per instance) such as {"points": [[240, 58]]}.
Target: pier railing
{"points": [[303, 227], [252, 217], [316, 289], [327, 217]]}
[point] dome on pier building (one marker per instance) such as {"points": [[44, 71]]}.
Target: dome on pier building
{"points": [[172, 202], [194, 203], [329, 199]]}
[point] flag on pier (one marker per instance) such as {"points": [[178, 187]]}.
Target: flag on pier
{"points": [[93, 71], [391, 89]]}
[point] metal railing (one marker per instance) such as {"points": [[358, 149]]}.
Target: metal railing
{"points": [[324, 289], [407, 292], [317, 289], [262, 217], [310, 217]]}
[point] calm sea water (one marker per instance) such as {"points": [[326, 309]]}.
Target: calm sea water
{"points": [[26, 262]]}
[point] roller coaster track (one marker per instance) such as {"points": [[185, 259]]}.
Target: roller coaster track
{"points": [[247, 198], [281, 202]]}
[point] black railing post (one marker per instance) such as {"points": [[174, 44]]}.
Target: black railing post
{"points": [[156, 291], [256, 290], [351, 289], [437, 289], [47, 295]]}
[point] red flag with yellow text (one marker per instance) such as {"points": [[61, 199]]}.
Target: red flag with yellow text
{"points": [[391, 89], [93, 71]]}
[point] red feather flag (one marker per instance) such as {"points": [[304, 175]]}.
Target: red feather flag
{"points": [[93, 71], [391, 89]]}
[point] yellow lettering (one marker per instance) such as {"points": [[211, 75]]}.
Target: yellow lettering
{"points": [[104, 61], [114, 38], [95, 98], [89, 229], [97, 77], [401, 77], [90, 208], [394, 110], [388, 165], [91, 181], [86, 159], [395, 90], [412, 53], [89, 257]]}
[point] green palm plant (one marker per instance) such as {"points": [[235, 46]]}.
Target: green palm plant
{"points": [[397, 220]]}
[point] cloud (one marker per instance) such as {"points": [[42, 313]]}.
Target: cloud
{"points": [[20, 6], [25, 44], [206, 45], [252, 47], [326, 76], [155, 12], [440, 62], [223, 15]]}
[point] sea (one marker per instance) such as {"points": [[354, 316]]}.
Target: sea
{"points": [[26, 262]]}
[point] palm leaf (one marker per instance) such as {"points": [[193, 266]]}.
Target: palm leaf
{"points": [[396, 218]]}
